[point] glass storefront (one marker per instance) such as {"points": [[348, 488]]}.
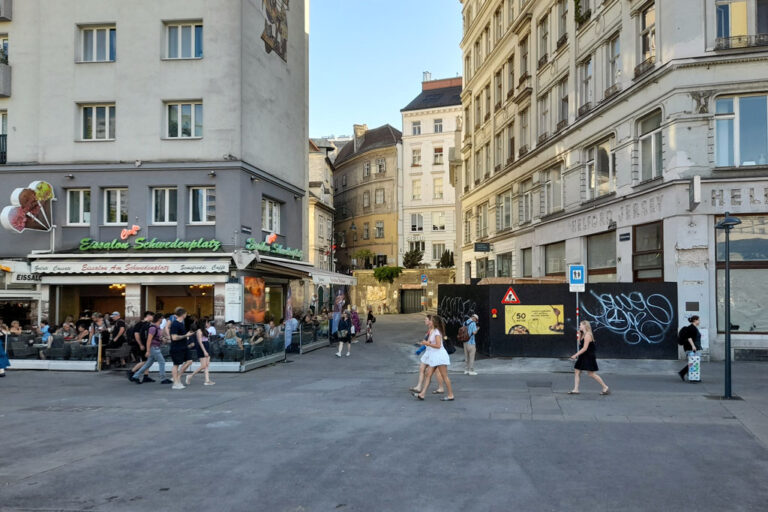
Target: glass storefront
{"points": [[197, 299]]}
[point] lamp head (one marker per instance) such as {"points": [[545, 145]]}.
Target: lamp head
{"points": [[728, 222]]}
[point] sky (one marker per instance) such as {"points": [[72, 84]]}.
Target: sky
{"points": [[366, 58]]}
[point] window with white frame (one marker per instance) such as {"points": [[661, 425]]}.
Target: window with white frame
{"points": [[366, 231], [600, 175], [437, 188], [649, 129], [648, 33], [270, 216], [498, 24], [487, 36], [437, 157], [379, 196], [524, 128], [488, 100], [544, 114], [344, 180], [524, 56], [366, 169], [504, 265], [416, 157], [184, 40], [741, 130], [562, 113], [544, 38], [98, 44], [379, 229], [482, 220], [504, 210], [498, 149], [527, 205], [438, 125], [488, 159], [115, 205], [417, 222], [416, 245], [478, 165], [366, 199], [478, 54], [554, 259], [586, 93], [510, 142], [185, 120], [478, 110], [438, 221], [614, 61], [526, 262], [321, 226], [78, 207], [740, 18], [562, 15], [164, 202], [437, 250], [415, 190], [416, 128], [499, 88], [467, 121], [98, 122], [553, 190], [510, 74], [467, 227], [381, 165], [202, 206]]}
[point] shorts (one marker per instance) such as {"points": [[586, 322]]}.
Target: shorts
{"points": [[138, 354], [179, 354]]}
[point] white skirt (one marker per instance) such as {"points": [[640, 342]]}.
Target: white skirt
{"points": [[436, 357]]}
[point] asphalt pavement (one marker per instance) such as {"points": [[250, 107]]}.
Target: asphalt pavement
{"points": [[323, 433]]}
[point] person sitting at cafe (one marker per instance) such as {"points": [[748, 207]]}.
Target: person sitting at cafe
{"points": [[230, 336], [44, 329], [273, 331], [257, 336], [4, 329], [15, 329], [67, 330], [82, 333], [99, 330]]}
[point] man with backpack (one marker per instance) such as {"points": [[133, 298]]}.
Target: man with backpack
{"points": [[466, 335], [137, 338], [154, 344]]}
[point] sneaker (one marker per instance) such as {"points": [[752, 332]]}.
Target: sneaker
{"points": [[347, 354], [209, 383], [134, 380], [147, 378], [472, 373], [129, 374], [177, 386], [338, 354], [466, 372], [166, 381]]}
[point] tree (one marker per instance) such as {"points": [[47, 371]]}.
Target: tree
{"points": [[446, 260], [387, 274], [364, 257], [412, 259]]}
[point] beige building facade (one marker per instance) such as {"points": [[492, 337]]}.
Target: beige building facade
{"points": [[617, 137], [321, 211]]}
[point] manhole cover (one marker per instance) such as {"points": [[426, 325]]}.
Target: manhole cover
{"points": [[539, 384]]}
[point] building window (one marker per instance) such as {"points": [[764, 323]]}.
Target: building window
{"points": [[202, 206], [648, 252], [553, 190], [366, 199], [601, 257], [648, 34], [467, 121], [416, 157], [749, 273], [526, 262], [478, 111], [467, 227], [482, 220], [438, 156], [487, 101], [270, 216], [504, 265], [504, 210], [437, 251], [115, 206], [438, 221], [98, 122], [614, 61], [321, 225], [651, 163], [416, 128], [97, 44], [524, 57], [478, 165], [344, 180], [329, 229], [487, 36], [482, 268], [562, 114], [741, 131], [543, 39], [487, 159], [379, 196], [601, 179], [79, 207], [524, 129], [562, 13], [417, 222], [544, 115], [366, 169], [437, 188], [554, 259], [499, 88], [510, 75], [415, 190], [381, 165], [438, 126], [498, 147], [527, 214], [185, 40], [417, 245], [510, 142], [185, 120], [498, 24], [164, 205], [586, 93], [379, 229], [366, 231], [478, 55]]}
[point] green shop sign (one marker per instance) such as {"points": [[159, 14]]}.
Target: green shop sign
{"points": [[144, 244], [273, 249]]}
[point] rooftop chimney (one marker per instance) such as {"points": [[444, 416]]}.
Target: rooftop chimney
{"points": [[359, 130], [427, 76]]}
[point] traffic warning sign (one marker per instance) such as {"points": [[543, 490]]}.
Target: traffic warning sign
{"points": [[510, 297]]}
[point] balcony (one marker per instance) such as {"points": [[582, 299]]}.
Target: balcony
{"points": [[542, 137], [728, 43], [3, 148], [562, 124], [561, 42], [542, 61], [645, 66], [585, 108], [583, 18], [523, 150], [6, 10], [612, 90]]}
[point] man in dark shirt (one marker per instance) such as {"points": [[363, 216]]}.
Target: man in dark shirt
{"points": [[154, 344], [690, 339], [138, 346], [179, 340]]}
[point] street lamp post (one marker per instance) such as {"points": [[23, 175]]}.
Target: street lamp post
{"points": [[727, 225]]}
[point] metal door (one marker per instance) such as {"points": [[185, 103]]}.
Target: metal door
{"points": [[410, 301]]}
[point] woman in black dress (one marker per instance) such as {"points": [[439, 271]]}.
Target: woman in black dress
{"points": [[344, 333], [586, 360]]}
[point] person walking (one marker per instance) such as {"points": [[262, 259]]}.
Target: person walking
{"points": [[203, 348], [4, 361], [436, 357], [586, 360], [355, 319], [344, 333], [423, 366], [370, 320], [179, 340], [137, 339], [154, 353], [470, 348], [690, 338]]}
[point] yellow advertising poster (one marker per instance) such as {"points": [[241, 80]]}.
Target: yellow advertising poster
{"points": [[534, 319]]}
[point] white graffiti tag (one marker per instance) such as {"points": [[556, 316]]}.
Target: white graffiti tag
{"points": [[633, 316]]}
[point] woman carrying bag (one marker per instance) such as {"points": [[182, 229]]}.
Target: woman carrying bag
{"points": [[344, 333]]}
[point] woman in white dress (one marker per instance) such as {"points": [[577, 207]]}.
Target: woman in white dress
{"points": [[423, 366], [436, 358]]}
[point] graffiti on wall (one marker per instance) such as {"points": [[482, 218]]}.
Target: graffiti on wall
{"points": [[635, 317], [456, 310]]}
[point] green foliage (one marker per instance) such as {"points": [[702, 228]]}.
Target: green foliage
{"points": [[387, 274], [578, 16], [412, 259], [362, 254], [446, 260]]}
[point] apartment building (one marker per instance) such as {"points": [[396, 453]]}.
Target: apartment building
{"points": [[617, 136], [429, 198], [321, 211], [365, 180], [171, 140]]}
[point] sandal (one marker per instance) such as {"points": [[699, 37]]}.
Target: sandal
{"points": [[446, 399], [416, 395], [438, 392], [606, 392], [415, 390], [574, 392]]}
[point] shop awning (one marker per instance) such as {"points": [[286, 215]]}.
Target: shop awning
{"points": [[131, 266], [301, 269]]}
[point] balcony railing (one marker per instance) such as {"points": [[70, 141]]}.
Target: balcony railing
{"points": [[614, 89], [560, 42], [522, 151], [585, 108], [542, 61], [645, 66], [562, 124], [726, 43], [3, 148]]}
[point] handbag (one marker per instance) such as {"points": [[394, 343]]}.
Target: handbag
{"points": [[344, 333]]}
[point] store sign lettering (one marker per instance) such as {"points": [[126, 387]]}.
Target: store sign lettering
{"points": [[173, 267], [144, 244], [735, 197], [638, 210], [273, 249]]}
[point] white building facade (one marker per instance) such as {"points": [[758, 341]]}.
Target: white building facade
{"points": [[427, 220], [617, 137]]}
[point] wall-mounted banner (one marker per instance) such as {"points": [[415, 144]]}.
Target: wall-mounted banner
{"points": [[273, 249], [275, 35], [144, 244], [534, 319], [30, 208], [129, 267]]}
